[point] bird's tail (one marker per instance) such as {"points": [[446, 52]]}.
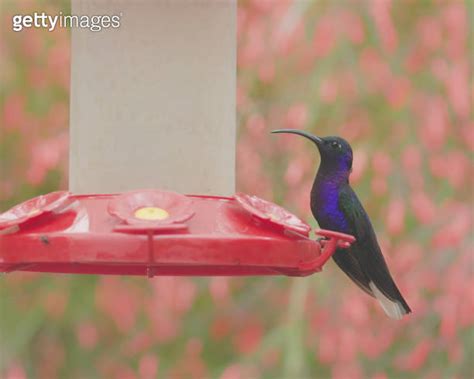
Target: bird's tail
{"points": [[393, 308]]}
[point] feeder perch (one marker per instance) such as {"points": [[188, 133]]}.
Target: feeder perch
{"points": [[153, 106]]}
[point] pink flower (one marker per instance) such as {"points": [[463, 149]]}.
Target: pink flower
{"points": [[37, 78], [328, 90], [153, 207], [430, 33], [32, 44], [16, 371], [457, 85], [423, 207], [381, 163], [46, 155], [397, 91], [271, 213], [219, 288], [415, 359], [266, 71], [411, 158], [57, 61], [353, 26], [148, 366], [348, 370], [379, 186], [327, 351], [34, 209], [456, 24], [256, 125], [458, 228], [325, 35], [55, 303], [240, 371], [434, 122], [252, 50], [296, 170], [248, 339], [455, 352], [297, 116], [220, 328], [359, 165], [285, 40], [14, 111], [467, 133], [381, 13], [395, 216], [87, 335]]}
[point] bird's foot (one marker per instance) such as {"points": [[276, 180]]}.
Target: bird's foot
{"points": [[322, 240]]}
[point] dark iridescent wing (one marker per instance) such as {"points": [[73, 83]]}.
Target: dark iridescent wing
{"points": [[348, 260], [366, 250], [355, 214], [350, 266]]}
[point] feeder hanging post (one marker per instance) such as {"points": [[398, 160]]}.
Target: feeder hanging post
{"points": [[153, 101]]}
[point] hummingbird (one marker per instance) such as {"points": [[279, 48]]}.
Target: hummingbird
{"points": [[335, 206]]}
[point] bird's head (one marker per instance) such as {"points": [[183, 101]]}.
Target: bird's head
{"points": [[336, 153]]}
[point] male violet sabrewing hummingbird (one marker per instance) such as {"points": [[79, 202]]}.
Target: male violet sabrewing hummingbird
{"points": [[336, 207]]}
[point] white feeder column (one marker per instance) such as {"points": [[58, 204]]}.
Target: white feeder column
{"points": [[153, 101]]}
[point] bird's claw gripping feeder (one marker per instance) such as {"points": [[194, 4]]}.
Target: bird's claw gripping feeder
{"points": [[153, 106]]}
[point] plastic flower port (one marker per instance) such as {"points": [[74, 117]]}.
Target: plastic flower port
{"points": [[33, 209], [152, 207], [272, 213]]}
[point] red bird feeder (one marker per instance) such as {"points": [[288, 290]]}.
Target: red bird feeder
{"points": [[161, 115], [155, 232]]}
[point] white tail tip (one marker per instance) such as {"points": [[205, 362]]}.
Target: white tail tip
{"points": [[393, 309]]}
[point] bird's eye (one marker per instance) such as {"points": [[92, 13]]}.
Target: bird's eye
{"points": [[336, 144]]}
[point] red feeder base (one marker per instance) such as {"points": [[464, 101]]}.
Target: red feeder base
{"points": [[155, 232]]}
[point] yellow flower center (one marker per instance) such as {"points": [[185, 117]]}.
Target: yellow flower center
{"points": [[274, 217], [33, 212], [151, 213]]}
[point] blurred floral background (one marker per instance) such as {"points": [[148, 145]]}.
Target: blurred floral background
{"points": [[392, 77]]}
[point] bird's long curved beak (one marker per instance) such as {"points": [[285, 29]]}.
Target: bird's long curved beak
{"points": [[315, 139]]}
